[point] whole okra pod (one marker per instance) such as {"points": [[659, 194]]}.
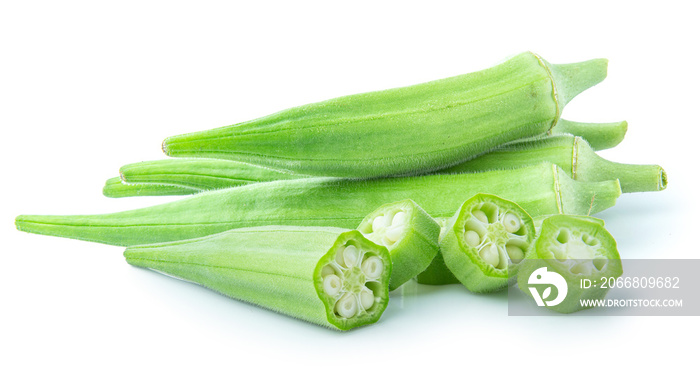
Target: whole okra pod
{"points": [[572, 154], [332, 277], [539, 189], [407, 130]]}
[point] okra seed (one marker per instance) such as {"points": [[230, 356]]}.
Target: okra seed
{"points": [[332, 284], [515, 253], [378, 223], [490, 254], [347, 306], [366, 299], [394, 233], [372, 267], [472, 238], [351, 256], [480, 215], [511, 222], [399, 219]]}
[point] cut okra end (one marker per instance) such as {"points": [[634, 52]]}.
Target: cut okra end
{"points": [[568, 239], [575, 248], [486, 239], [410, 235], [352, 280]]}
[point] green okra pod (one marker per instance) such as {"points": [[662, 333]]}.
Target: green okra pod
{"points": [[410, 235], [576, 249], [332, 277], [572, 154], [115, 187], [540, 189], [407, 130]]}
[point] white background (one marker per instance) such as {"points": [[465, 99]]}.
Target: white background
{"points": [[86, 87]]}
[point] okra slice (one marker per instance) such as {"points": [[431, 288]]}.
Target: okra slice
{"points": [[485, 240], [576, 248], [410, 235], [328, 276], [115, 187], [539, 189], [406, 130]]}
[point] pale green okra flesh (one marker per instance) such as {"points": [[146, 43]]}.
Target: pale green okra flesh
{"points": [[410, 235], [328, 276], [576, 249], [541, 189], [485, 240], [407, 130]]}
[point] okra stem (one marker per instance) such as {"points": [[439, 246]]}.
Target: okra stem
{"points": [[541, 189]]}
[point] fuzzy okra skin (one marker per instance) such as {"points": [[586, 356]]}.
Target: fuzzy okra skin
{"points": [[599, 135], [410, 235], [407, 130], [115, 187], [576, 249], [437, 272], [485, 240], [540, 189], [574, 156], [328, 276]]}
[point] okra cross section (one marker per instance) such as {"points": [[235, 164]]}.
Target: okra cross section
{"points": [[484, 237], [575, 248], [410, 235], [329, 276]]}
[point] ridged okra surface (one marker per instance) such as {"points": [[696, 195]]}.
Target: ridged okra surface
{"points": [[407, 130], [328, 276]]}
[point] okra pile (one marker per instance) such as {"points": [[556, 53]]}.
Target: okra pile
{"points": [[320, 211]]}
